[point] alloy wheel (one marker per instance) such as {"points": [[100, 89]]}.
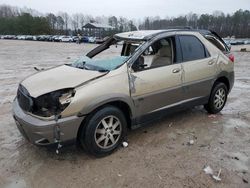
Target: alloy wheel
{"points": [[108, 132], [219, 98]]}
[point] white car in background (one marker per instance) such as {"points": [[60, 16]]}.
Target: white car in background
{"points": [[21, 37], [92, 39], [247, 41], [66, 39]]}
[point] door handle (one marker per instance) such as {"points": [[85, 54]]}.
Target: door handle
{"points": [[176, 70]]}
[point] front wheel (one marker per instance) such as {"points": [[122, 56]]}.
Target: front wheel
{"points": [[104, 131], [217, 98]]}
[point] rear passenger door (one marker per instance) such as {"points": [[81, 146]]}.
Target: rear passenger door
{"points": [[199, 68]]}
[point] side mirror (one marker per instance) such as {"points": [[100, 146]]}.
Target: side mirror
{"points": [[139, 64]]}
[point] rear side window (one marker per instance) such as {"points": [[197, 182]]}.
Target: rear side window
{"points": [[217, 43], [192, 48]]}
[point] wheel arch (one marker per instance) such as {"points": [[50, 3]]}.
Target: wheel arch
{"points": [[223, 79], [120, 103]]}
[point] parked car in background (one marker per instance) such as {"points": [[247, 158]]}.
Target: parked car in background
{"points": [[21, 37], [48, 38], [55, 38], [66, 39], [100, 40], [155, 73], [236, 42], [75, 38], [91, 39], [28, 37], [247, 41], [9, 37], [227, 42], [85, 39], [40, 38]]}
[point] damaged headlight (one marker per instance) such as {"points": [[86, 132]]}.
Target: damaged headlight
{"points": [[52, 103]]}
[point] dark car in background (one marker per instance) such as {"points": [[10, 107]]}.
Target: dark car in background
{"points": [[85, 39]]}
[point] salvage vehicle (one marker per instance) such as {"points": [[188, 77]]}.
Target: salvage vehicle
{"points": [[126, 82]]}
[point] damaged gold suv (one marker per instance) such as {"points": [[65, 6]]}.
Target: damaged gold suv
{"points": [[129, 80]]}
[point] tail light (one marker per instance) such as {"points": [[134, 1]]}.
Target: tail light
{"points": [[231, 57]]}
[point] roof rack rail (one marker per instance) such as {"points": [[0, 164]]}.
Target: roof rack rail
{"points": [[179, 27]]}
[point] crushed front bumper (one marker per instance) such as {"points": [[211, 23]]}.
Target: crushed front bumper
{"points": [[42, 132]]}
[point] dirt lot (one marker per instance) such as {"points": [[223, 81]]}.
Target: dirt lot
{"points": [[157, 156]]}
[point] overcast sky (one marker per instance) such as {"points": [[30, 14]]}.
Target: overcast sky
{"points": [[132, 8]]}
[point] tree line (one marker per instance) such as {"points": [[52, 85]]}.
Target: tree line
{"points": [[236, 24], [17, 21], [14, 20]]}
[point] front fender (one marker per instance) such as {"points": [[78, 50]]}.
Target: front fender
{"points": [[105, 99]]}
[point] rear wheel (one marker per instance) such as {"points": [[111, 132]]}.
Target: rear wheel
{"points": [[103, 131], [217, 98]]}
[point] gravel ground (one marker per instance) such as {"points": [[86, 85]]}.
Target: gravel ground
{"points": [[157, 156]]}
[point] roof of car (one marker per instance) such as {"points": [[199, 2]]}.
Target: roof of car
{"points": [[148, 34], [139, 35]]}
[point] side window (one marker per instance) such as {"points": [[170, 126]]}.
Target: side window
{"points": [[192, 48], [160, 53], [217, 43]]}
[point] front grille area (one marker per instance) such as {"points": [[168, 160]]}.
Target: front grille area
{"points": [[24, 99]]}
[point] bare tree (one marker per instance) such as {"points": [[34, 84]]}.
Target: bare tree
{"points": [[8, 11], [75, 21], [89, 18], [81, 20], [66, 19], [59, 23], [52, 20], [113, 21]]}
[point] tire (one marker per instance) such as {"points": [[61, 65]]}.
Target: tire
{"points": [[217, 99], [98, 137]]}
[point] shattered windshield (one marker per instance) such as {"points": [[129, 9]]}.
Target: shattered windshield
{"points": [[107, 56], [99, 64]]}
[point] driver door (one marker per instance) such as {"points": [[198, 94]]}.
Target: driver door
{"points": [[156, 88]]}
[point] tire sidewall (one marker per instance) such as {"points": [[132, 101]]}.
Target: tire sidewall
{"points": [[88, 133], [212, 107]]}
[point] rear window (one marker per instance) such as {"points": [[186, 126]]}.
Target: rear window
{"points": [[192, 48], [217, 43]]}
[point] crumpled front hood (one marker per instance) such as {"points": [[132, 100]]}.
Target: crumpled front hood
{"points": [[58, 78]]}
